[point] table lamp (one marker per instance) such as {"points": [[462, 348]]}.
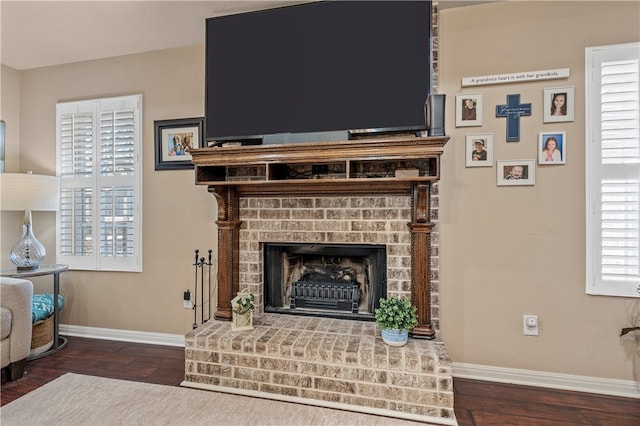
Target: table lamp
{"points": [[27, 192]]}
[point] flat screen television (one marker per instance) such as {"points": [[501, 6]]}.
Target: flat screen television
{"points": [[314, 68]]}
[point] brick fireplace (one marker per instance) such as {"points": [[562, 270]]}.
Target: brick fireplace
{"points": [[375, 220], [333, 362]]}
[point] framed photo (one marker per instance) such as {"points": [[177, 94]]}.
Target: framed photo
{"points": [[558, 104], [516, 172], [174, 138], [479, 150], [552, 148], [469, 109]]}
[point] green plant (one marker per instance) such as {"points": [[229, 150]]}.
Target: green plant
{"points": [[243, 303], [396, 313]]}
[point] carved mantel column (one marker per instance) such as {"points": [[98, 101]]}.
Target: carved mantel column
{"points": [[420, 228], [228, 248]]}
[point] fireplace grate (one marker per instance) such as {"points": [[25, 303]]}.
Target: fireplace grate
{"points": [[326, 294]]}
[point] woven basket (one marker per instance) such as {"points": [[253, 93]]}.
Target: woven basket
{"points": [[41, 336]]}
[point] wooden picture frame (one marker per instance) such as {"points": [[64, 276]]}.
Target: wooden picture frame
{"points": [[516, 172], [548, 155], [469, 109], [479, 150], [556, 113], [173, 139]]}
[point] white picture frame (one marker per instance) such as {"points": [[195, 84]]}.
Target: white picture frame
{"points": [[516, 172], [566, 112], [550, 155], [479, 150], [469, 109]]}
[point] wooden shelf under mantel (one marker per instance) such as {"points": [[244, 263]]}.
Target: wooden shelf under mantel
{"points": [[349, 165]]}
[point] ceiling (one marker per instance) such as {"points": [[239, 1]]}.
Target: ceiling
{"points": [[35, 34]]}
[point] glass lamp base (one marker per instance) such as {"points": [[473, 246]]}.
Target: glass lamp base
{"points": [[28, 252]]}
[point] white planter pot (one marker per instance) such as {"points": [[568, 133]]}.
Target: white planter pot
{"points": [[393, 337], [241, 321]]}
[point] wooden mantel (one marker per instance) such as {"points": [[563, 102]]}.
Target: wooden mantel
{"points": [[388, 165]]}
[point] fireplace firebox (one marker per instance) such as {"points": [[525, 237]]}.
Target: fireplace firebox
{"points": [[330, 280]]}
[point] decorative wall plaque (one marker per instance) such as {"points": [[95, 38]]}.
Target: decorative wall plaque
{"points": [[513, 110]]}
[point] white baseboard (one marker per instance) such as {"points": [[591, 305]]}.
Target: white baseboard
{"points": [[624, 388], [123, 335]]}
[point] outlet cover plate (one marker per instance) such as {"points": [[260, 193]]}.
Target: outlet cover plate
{"points": [[530, 324]]}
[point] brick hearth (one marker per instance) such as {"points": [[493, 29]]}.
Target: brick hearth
{"points": [[330, 362]]}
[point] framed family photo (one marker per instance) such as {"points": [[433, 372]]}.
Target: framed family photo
{"points": [[516, 172], [469, 109], [558, 104], [552, 148], [479, 150], [173, 139]]}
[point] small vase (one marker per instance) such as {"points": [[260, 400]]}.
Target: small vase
{"points": [[394, 337]]}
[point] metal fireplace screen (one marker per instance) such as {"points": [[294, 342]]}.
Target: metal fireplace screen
{"points": [[335, 280]]}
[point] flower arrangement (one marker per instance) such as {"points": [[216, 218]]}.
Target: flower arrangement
{"points": [[243, 303], [396, 313]]}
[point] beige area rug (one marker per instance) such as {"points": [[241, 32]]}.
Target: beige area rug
{"points": [[75, 399]]}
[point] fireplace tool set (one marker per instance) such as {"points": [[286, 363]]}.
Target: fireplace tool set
{"points": [[200, 266]]}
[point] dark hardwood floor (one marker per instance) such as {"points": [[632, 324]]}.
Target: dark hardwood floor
{"points": [[477, 403]]}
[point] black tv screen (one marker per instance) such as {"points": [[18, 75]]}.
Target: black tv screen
{"points": [[318, 67]]}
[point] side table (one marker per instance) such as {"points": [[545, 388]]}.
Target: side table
{"points": [[55, 270]]}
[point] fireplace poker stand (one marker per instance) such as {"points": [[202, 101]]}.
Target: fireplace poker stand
{"points": [[199, 275]]}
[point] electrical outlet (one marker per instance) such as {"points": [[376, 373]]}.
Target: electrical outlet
{"points": [[186, 300], [530, 324]]}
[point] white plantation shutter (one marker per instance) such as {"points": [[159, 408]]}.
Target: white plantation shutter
{"points": [[117, 210], [99, 221], [613, 170]]}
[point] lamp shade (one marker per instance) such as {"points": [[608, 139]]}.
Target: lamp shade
{"points": [[26, 191]]}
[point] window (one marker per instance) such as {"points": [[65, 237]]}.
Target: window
{"points": [[613, 170], [98, 160]]}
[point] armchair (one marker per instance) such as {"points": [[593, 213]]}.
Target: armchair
{"points": [[15, 313]]}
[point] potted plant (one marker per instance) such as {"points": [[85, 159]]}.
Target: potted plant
{"points": [[396, 316], [242, 308]]}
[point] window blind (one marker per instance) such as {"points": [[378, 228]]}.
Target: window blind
{"points": [[613, 170], [99, 221]]}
